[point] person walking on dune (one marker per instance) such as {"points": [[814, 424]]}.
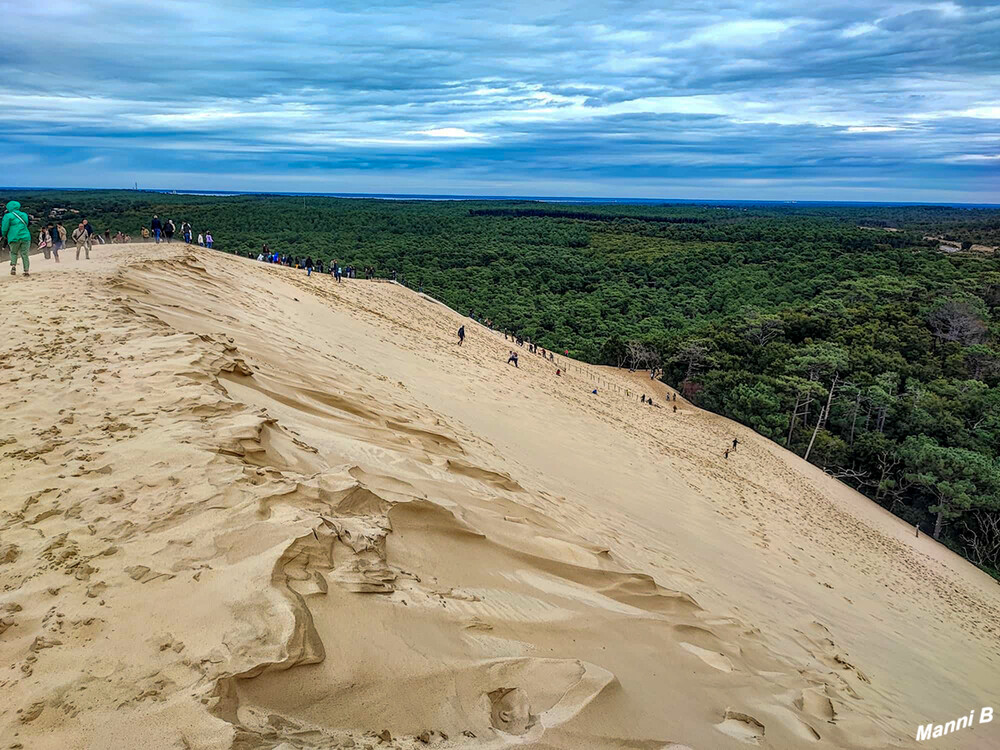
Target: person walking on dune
{"points": [[512, 359], [157, 226], [15, 231], [168, 230], [461, 335], [208, 240], [309, 266], [82, 239], [58, 240], [45, 242], [735, 443]]}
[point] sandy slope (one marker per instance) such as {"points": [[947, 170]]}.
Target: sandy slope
{"points": [[241, 507]]}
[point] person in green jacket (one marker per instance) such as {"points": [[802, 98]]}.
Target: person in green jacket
{"points": [[15, 229]]}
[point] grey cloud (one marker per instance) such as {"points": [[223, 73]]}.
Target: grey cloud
{"points": [[561, 88]]}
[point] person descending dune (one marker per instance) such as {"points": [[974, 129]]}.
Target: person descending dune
{"points": [[461, 335]]}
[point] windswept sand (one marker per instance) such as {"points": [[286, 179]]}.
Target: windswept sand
{"points": [[245, 508]]}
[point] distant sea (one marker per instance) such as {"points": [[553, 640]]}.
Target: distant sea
{"points": [[573, 199], [540, 198]]}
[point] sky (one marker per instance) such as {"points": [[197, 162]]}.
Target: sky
{"points": [[819, 100]]}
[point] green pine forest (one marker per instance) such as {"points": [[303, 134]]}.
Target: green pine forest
{"points": [[836, 330]]}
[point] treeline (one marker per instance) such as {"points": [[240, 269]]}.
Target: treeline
{"points": [[864, 349], [580, 215]]}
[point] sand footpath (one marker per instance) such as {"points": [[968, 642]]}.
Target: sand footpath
{"points": [[244, 508]]}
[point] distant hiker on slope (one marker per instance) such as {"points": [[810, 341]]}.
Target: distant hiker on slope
{"points": [[735, 443], [309, 266], [512, 358], [15, 231], [208, 240], [461, 335], [157, 226], [168, 230]]}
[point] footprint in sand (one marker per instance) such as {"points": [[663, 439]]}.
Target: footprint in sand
{"points": [[815, 702], [510, 711], [711, 658], [742, 727]]}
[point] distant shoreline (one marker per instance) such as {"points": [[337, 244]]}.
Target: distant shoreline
{"points": [[538, 198]]}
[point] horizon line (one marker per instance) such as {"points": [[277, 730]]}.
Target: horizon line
{"points": [[474, 197]]}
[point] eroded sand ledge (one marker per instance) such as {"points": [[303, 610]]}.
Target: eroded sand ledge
{"points": [[246, 508]]}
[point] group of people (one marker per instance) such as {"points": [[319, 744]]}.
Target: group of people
{"points": [[485, 321], [533, 348], [164, 231], [335, 269], [512, 359], [51, 238], [649, 400]]}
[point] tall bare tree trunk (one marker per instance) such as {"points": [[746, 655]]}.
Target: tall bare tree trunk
{"points": [[791, 421], [939, 523], [854, 417], [823, 414]]}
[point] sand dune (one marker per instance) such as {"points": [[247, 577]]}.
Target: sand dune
{"points": [[246, 508]]}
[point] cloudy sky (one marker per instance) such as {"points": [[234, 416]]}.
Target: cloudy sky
{"points": [[817, 100]]}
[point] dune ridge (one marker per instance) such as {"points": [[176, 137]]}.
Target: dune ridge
{"points": [[246, 508]]}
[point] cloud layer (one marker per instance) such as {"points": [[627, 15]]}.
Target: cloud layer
{"points": [[811, 101]]}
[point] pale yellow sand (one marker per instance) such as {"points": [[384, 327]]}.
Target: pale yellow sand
{"points": [[245, 508]]}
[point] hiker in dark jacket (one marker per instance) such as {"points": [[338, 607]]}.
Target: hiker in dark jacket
{"points": [[157, 226]]}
